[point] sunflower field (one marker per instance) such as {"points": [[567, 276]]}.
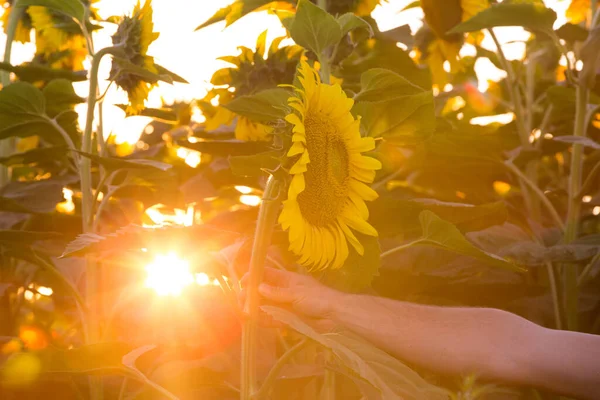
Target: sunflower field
{"points": [[441, 152]]}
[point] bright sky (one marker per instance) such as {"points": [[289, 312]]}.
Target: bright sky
{"points": [[193, 55]]}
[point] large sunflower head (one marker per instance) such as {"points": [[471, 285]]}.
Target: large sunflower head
{"points": [[23, 27], [330, 177], [59, 41], [136, 34]]}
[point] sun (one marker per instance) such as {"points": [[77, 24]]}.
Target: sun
{"points": [[168, 275]]}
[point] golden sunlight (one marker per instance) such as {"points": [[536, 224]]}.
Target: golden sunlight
{"points": [[168, 275], [160, 216]]}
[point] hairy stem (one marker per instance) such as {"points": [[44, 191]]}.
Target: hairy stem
{"points": [[7, 145], [267, 218], [571, 292]]}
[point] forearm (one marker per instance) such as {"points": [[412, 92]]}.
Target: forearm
{"points": [[491, 343]]}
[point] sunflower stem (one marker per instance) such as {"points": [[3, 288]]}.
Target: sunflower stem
{"points": [[571, 292], [93, 291], [267, 217], [7, 145]]}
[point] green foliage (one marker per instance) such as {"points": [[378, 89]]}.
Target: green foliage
{"points": [[266, 106], [393, 108], [443, 234], [364, 362], [72, 8], [314, 28], [530, 15]]}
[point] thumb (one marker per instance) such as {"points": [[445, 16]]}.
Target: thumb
{"points": [[276, 294]]}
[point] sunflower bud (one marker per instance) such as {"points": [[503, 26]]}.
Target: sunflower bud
{"points": [[135, 34]]}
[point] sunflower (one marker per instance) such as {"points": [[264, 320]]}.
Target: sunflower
{"points": [[60, 48], [441, 16], [23, 26], [578, 10], [329, 185], [251, 72], [136, 34]]}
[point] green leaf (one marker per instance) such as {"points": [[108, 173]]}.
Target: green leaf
{"points": [[112, 163], [98, 358], [582, 140], [529, 15], [128, 67], [135, 237], [130, 358], [35, 156], [351, 21], [60, 96], [255, 164], [364, 362], [392, 217], [226, 148], [162, 71], [26, 237], [380, 84], [31, 197], [358, 271], [393, 108], [22, 113], [314, 28], [73, 8], [572, 33], [160, 114], [589, 54], [266, 106], [32, 72], [233, 12], [445, 235]]}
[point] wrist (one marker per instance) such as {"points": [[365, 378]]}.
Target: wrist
{"points": [[341, 308]]}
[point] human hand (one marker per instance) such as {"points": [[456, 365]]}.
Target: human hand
{"points": [[304, 294]]}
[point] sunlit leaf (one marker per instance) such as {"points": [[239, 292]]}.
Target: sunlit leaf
{"points": [[314, 28], [160, 114], [351, 21], [135, 237], [72, 8], [163, 72], [60, 96], [35, 156], [358, 272], [256, 164], [394, 108], [113, 163], [443, 234], [33, 73], [31, 197], [226, 148], [365, 362], [392, 216], [530, 15], [266, 106]]}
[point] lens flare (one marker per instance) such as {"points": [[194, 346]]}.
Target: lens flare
{"points": [[168, 275]]}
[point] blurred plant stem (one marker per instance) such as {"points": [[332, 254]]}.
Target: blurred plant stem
{"points": [[92, 276], [267, 217], [7, 145], [571, 292]]}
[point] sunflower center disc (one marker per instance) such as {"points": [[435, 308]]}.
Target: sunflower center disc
{"points": [[327, 172]]}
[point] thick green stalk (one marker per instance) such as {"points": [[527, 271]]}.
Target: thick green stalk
{"points": [[7, 145], [571, 292], [267, 217]]}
